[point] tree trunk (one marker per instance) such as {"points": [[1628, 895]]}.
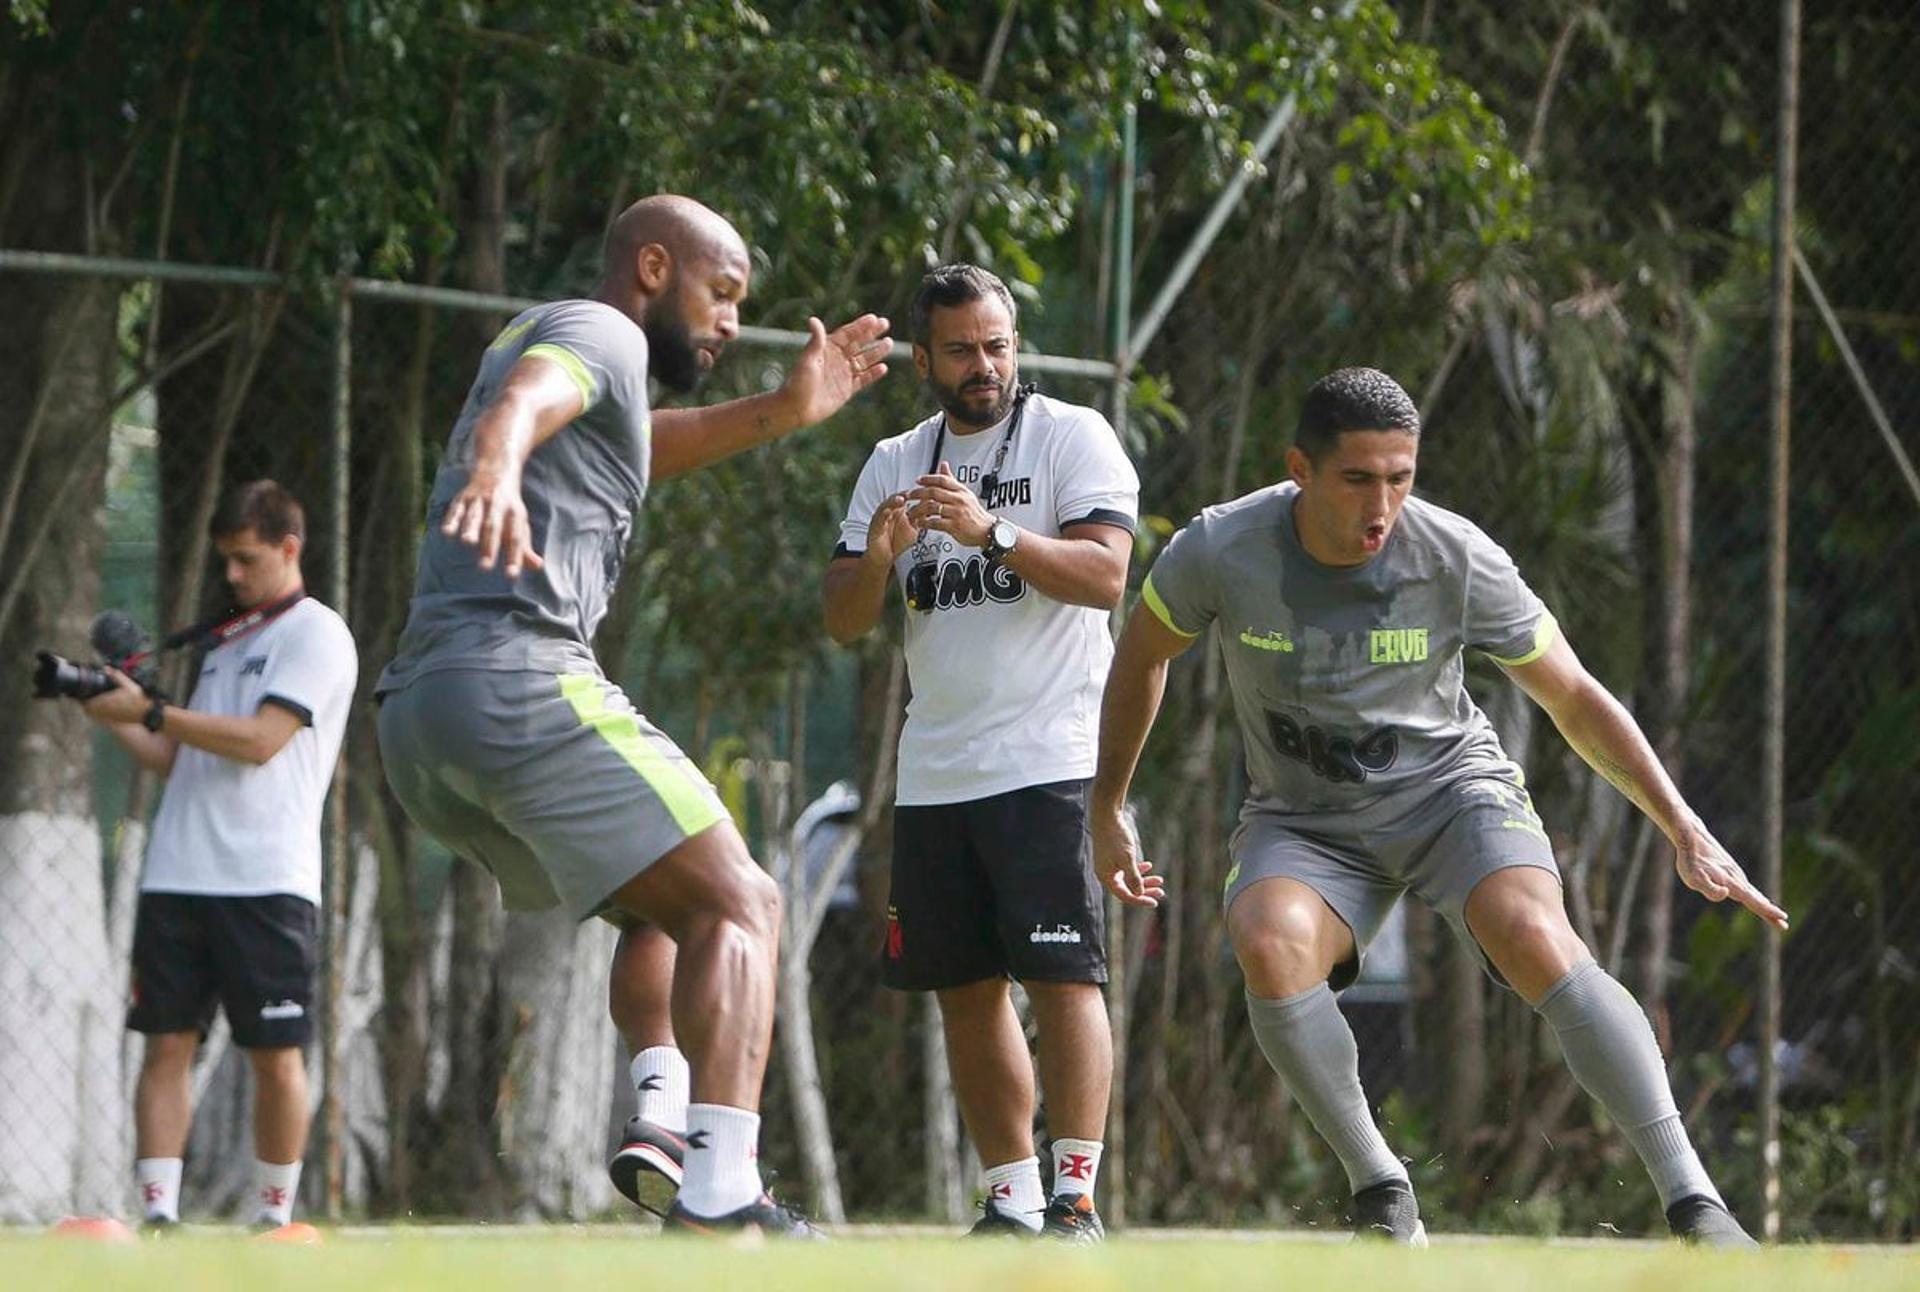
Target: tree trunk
{"points": [[1673, 673], [551, 1111], [62, 1005], [946, 1185]]}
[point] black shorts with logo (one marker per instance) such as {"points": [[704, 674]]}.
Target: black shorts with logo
{"points": [[1000, 886], [255, 956]]}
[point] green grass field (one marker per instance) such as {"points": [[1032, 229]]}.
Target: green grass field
{"points": [[551, 1260]]}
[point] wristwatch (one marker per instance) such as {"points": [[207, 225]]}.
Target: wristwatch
{"points": [[1002, 537], [155, 715]]}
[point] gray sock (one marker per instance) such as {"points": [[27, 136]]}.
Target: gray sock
{"points": [[1309, 1044], [1611, 1051]]}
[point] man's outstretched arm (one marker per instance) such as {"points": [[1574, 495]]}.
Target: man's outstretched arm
{"points": [[1602, 731], [833, 368], [1135, 685]]}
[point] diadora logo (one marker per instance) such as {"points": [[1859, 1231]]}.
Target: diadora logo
{"points": [[1397, 646], [652, 1081], [1273, 639], [1058, 933], [699, 1139], [253, 666]]}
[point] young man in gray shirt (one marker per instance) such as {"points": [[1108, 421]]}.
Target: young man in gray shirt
{"points": [[1344, 609]]}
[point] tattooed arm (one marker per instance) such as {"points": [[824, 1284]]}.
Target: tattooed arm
{"points": [[1602, 731]]}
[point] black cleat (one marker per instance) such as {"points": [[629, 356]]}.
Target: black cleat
{"points": [[1070, 1218], [1706, 1221], [647, 1167], [161, 1227], [1390, 1213], [995, 1223], [765, 1218]]}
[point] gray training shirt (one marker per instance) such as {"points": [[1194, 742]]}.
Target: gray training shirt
{"points": [[582, 488], [1349, 682]]}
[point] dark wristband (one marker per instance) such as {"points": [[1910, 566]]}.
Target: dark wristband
{"points": [[155, 716]]}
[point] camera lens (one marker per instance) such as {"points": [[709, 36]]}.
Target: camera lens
{"points": [[55, 678]]}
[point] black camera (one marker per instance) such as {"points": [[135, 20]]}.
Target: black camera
{"points": [[120, 642], [923, 585]]}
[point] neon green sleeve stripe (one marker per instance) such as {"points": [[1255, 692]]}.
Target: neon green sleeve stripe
{"points": [[570, 364], [1543, 634], [686, 798], [1151, 596]]}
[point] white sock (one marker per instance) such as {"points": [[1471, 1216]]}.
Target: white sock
{"points": [[1075, 1163], [158, 1179], [276, 1186], [662, 1082], [1015, 1190], [723, 1160]]}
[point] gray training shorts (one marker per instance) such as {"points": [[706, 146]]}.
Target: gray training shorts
{"points": [[552, 782], [1440, 845]]}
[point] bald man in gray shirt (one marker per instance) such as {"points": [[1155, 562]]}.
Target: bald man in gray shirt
{"points": [[1343, 609], [502, 737]]}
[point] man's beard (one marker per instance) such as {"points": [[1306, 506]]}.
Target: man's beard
{"points": [[954, 400], [672, 355]]}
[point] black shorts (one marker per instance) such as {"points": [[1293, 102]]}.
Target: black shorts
{"points": [[993, 887], [253, 955]]}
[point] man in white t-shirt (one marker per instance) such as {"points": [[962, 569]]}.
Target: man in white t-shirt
{"points": [[229, 897], [1008, 519]]}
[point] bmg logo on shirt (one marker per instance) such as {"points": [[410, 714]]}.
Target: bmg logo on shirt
{"points": [[253, 666], [973, 582]]}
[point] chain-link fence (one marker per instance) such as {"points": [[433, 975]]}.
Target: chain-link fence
{"points": [[1596, 398]]}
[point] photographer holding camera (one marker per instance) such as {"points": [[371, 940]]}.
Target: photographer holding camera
{"points": [[231, 889], [1008, 519]]}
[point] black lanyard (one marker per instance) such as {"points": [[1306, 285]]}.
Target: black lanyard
{"points": [[992, 477], [1020, 395]]}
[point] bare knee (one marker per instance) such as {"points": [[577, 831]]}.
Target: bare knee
{"points": [[169, 1054], [1286, 946], [1523, 928], [280, 1065], [973, 1000], [1064, 999], [755, 904]]}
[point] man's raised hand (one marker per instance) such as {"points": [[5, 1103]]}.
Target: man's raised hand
{"points": [[836, 366]]}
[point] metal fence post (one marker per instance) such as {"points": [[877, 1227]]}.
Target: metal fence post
{"points": [[1773, 756], [339, 850]]}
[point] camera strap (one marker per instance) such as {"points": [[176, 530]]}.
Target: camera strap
{"points": [[212, 634]]}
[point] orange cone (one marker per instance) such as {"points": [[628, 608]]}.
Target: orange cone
{"points": [[98, 1229]]}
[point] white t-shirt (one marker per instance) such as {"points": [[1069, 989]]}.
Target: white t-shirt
{"points": [[1006, 682], [230, 829]]}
